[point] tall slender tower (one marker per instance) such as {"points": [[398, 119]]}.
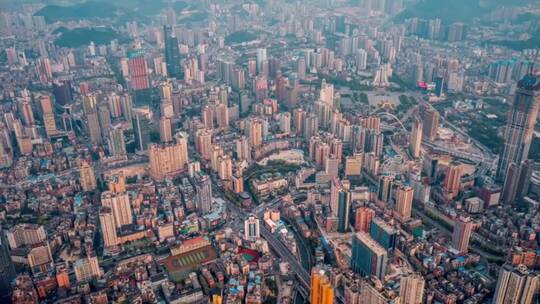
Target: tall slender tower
{"points": [[48, 115], [462, 234], [404, 200], [172, 53], [7, 270], [87, 177], [415, 141], [519, 130]]}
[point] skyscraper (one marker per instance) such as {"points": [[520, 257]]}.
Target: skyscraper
{"points": [[415, 141], [120, 206], [404, 200], [87, 177], [516, 285], [7, 270], [327, 93], [452, 180], [87, 269], [383, 234], [142, 119], [520, 125], [430, 122], [168, 158], [411, 288], [321, 291], [94, 128], [165, 129], [363, 218], [117, 144], [251, 228], [385, 188], [368, 257], [462, 234], [203, 188], [344, 207], [138, 71], [48, 115], [261, 59], [255, 130], [353, 164], [108, 227]]}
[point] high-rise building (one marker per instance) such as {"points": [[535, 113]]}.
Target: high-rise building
{"points": [[251, 228], [25, 235], [361, 60], [311, 125], [203, 143], [368, 257], [261, 59], [207, 117], [142, 120], [25, 109], [353, 164], [462, 234], [520, 125], [222, 116], [94, 128], [62, 91], [415, 141], [224, 167], [516, 183], [516, 285], [7, 270], [411, 288], [48, 115], [363, 218], [172, 53], [45, 70], [439, 86], [120, 206], [327, 93], [87, 177], [87, 269], [383, 234], [285, 122], [117, 144], [430, 122], [243, 152], [452, 180], [321, 291], [203, 188], [301, 68], [104, 117], [385, 188], [255, 132], [168, 158], [165, 130], [138, 70], [344, 207], [260, 87], [404, 200], [108, 227]]}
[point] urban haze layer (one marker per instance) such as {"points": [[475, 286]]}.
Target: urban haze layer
{"points": [[269, 151]]}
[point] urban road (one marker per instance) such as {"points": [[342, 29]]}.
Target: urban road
{"points": [[284, 253]]}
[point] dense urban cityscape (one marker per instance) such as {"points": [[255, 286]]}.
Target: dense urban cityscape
{"points": [[269, 151]]}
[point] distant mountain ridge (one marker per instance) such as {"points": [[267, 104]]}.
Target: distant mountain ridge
{"points": [[454, 10]]}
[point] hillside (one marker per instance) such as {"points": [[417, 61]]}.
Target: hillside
{"points": [[83, 36], [453, 11], [87, 10]]}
